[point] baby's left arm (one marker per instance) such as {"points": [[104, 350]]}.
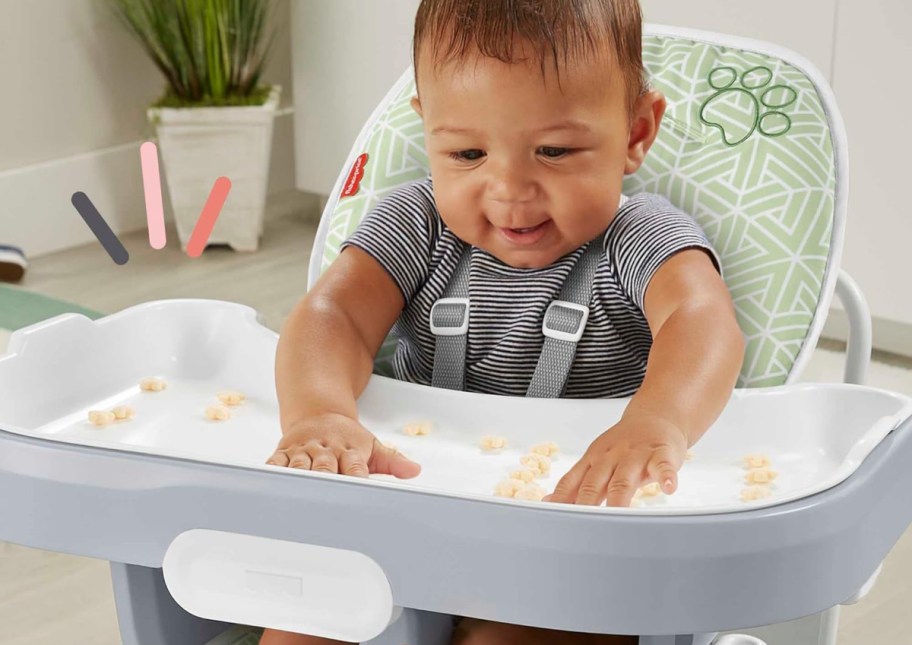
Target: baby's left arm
{"points": [[693, 365]]}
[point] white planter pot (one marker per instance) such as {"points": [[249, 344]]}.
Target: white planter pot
{"points": [[199, 145]]}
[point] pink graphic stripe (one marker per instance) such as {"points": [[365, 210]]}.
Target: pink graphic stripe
{"points": [[155, 213], [207, 218]]}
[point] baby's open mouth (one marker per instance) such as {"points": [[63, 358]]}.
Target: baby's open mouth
{"points": [[525, 235]]}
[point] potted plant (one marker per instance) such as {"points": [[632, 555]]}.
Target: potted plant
{"points": [[214, 119]]}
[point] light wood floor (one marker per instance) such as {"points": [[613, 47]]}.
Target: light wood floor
{"points": [[53, 599]]}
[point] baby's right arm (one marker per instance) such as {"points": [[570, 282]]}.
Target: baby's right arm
{"points": [[324, 359]]}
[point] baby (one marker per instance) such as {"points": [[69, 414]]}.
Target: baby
{"points": [[534, 112]]}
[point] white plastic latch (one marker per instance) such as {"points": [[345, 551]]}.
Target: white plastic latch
{"points": [[738, 639], [302, 588], [451, 330], [551, 311]]}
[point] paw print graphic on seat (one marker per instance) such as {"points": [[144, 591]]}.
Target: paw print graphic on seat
{"points": [[742, 105]]}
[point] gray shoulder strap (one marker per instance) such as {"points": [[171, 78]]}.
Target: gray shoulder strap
{"points": [[450, 325], [563, 325]]}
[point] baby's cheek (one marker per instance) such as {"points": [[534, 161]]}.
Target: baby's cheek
{"points": [[464, 216], [583, 210]]}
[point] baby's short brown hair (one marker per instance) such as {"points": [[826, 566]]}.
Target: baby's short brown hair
{"points": [[562, 30]]}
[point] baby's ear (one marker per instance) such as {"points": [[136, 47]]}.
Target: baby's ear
{"points": [[416, 105], [644, 128]]}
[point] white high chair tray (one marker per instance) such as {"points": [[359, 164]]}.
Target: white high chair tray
{"points": [[815, 435]]}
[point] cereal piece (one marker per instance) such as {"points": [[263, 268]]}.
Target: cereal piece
{"points": [[523, 474], [123, 413], [753, 493], [231, 397], [417, 429], [152, 384], [101, 417], [650, 490], [760, 476], [490, 443], [530, 492], [509, 487], [688, 455], [538, 464], [218, 413], [548, 449], [756, 461]]}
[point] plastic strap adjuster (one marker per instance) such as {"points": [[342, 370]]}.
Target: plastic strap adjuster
{"points": [[447, 326], [551, 320]]}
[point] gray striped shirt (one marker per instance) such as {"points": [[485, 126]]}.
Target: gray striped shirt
{"points": [[405, 234]]}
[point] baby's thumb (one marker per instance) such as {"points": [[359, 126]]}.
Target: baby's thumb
{"points": [[389, 461]]}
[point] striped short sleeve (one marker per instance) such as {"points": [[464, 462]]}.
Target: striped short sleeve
{"points": [[646, 232], [400, 234]]}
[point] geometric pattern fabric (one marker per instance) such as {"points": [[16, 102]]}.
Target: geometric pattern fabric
{"points": [[745, 148]]}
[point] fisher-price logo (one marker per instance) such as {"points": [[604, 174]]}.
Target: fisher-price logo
{"points": [[353, 181]]}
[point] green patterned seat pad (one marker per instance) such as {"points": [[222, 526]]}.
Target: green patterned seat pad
{"points": [[745, 148]]}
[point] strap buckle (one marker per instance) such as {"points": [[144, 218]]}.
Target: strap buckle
{"points": [[561, 316], [451, 316]]}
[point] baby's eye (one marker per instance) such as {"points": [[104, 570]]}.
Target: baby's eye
{"points": [[467, 155], [552, 152]]}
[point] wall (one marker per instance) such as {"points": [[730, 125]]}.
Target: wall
{"points": [[809, 29], [72, 116], [870, 78], [347, 54]]}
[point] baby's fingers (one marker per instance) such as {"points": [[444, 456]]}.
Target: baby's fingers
{"points": [[623, 484], [352, 462], [663, 467], [278, 458], [592, 488], [387, 461], [299, 459], [566, 490], [323, 460]]}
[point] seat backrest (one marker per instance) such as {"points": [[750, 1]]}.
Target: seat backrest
{"points": [[752, 146]]}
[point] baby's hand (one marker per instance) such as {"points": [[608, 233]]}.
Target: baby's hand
{"points": [[334, 443], [635, 451]]}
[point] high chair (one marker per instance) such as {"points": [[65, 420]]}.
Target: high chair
{"points": [[201, 534]]}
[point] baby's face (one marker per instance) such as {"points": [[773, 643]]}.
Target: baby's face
{"points": [[523, 168]]}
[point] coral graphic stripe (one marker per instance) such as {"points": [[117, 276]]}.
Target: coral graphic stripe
{"points": [[208, 217]]}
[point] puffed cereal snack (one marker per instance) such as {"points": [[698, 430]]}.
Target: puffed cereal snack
{"points": [[418, 428], [152, 384], [101, 417], [547, 449], [538, 464], [490, 443], [218, 413], [231, 397]]}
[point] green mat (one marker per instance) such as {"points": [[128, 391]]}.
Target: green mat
{"points": [[21, 308]]}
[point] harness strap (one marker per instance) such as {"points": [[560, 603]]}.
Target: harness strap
{"points": [[450, 324], [563, 325]]}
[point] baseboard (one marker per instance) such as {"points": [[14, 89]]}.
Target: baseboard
{"points": [[35, 209], [890, 336]]}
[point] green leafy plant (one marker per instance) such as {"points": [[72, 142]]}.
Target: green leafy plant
{"points": [[211, 52]]}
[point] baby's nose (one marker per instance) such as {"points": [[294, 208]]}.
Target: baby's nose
{"points": [[510, 183]]}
